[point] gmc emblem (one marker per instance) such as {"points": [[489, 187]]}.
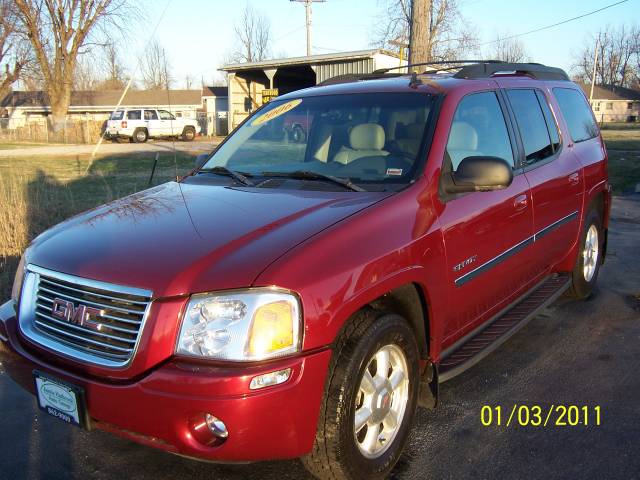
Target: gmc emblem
{"points": [[80, 315]]}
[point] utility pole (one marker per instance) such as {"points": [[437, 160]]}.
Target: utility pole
{"points": [[307, 8], [593, 75]]}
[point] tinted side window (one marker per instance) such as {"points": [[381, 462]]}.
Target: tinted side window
{"points": [[532, 125], [150, 115], [478, 129], [133, 114], [576, 113]]}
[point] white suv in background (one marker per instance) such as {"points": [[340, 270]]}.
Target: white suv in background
{"points": [[140, 124]]}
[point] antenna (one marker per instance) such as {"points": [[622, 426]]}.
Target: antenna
{"points": [[307, 7]]}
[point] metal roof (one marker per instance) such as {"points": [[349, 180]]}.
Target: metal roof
{"points": [[311, 59]]}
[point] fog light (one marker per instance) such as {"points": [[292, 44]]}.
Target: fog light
{"points": [[216, 426], [270, 379]]}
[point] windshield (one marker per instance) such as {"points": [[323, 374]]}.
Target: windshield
{"points": [[117, 115], [368, 138]]}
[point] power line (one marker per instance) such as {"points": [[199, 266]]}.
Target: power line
{"points": [[554, 25]]}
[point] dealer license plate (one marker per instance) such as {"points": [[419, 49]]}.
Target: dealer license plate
{"points": [[60, 399]]}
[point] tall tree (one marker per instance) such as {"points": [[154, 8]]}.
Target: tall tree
{"points": [[508, 49], [13, 54], [618, 56], [253, 36], [434, 29], [155, 67], [85, 77], [114, 73], [58, 31]]}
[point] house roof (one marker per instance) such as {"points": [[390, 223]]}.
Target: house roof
{"points": [[610, 92], [215, 92], [310, 59], [107, 98]]}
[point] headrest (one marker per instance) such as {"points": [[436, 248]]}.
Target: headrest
{"points": [[462, 137], [367, 136]]}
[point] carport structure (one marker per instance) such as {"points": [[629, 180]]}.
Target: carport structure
{"points": [[252, 84]]}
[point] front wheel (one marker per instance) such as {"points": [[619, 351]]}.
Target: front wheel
{"points": [[585, 271], [370, 399]]}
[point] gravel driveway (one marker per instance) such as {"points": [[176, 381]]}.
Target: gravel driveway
{"points": [[197, 147]]}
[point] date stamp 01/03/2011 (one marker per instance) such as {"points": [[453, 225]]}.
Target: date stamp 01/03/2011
{"points": [[520, 415]]}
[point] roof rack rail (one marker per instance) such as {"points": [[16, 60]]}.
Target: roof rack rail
{"points": [[439, 62], [489, 69]]}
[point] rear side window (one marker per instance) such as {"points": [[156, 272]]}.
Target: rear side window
{"points": [[478, 129], [150, 115], [532, 125], [117, 115], [576, 113], [133, 115]]}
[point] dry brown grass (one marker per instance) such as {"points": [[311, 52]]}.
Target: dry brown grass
{"points": [[29, 206]]}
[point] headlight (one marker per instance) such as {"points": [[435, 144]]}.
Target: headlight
{"points": [[241, 326], [17, 281]]}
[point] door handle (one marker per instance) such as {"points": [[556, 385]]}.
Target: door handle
{"points": [[574, 178], [520, 202]]}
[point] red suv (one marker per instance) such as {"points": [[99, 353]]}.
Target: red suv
{"points": [[302, 298]]}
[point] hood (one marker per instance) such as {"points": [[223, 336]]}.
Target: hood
{"points": [[177, 239]]}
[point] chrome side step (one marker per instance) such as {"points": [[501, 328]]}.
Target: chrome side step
{"points": [[484, 340]]}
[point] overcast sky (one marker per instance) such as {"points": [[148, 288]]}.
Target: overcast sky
{"points": [[199, 33]]}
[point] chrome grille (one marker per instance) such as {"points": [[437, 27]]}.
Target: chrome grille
{"points": [[122, 314]]}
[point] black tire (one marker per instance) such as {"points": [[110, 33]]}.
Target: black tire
{"points": [[140, 135], [582, 287], [336, 454], [188, 134]]}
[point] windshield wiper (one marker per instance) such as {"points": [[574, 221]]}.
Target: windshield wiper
{"points": [[230, 173], [309, 175]]}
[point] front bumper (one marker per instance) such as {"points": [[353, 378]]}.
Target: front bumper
{"points": [[157, 410]]}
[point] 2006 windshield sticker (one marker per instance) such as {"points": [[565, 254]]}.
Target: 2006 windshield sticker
{"points": [[276, 112]]}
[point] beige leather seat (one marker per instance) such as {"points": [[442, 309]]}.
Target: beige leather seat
{"points": [[463, 142], [365, 140]]}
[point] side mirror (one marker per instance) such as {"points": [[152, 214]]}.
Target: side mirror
{"points": [[201, 159], [481, 174]]}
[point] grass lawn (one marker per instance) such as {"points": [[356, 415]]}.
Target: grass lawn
{"points": [[39, 192], [623, 146]]}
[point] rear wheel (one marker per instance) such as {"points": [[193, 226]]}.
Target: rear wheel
{"points": [[188, 134], [140, 135], [370, 399], [585, 271]]}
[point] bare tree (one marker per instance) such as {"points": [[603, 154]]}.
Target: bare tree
{"points": [[508, 49], [155, 67], [618, 56], [435, 29], [60, 30], [253, 35], [14, 55], [85, 76], [114, 72], [188, 81]]}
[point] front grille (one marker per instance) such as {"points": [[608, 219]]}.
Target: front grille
{"points": [[120, 321]]}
